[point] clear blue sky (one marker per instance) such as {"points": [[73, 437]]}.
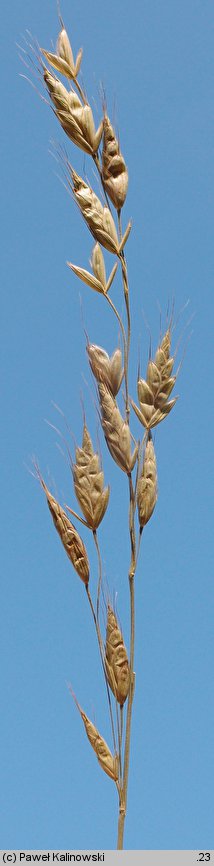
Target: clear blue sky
{"points": [[155, 62]]}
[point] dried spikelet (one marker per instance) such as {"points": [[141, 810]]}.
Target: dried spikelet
{"points": [[76, 119], [63, 60], [98, 217], [105, 369], [153, 392], [109, 764], [70, 538], [114, 171], [97, 280], [147, 485], [116, 659], [116, 431], [88, 482]]}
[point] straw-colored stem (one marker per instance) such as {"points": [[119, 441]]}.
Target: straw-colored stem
{"points": [[126, 297], [119, 742], [132, 569], [123, 793], [80, 91], [100, 643], [100, 571]]}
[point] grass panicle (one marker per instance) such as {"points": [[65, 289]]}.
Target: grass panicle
{"points": [[101, 147]]}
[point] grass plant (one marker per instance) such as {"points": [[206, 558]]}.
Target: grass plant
{"points": [[136, 459]]}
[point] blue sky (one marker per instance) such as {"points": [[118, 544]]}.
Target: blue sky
{"points": [[155, 63]]}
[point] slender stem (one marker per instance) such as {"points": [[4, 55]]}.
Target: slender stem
{"points": [[100, 642], [126, 297], [124, 787], [80, 91], [100, 571]]}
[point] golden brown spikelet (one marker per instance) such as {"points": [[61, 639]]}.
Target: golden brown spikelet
{"points": [[98, 217], [147, 485], [116, 431], [63, 60], [105, 369], [107, 761], [97, 280], [89, 482], [114, 171], [116, 659], [70, 538], [75, 118], [153, 392]]}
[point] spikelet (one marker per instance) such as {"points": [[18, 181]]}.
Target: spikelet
{"points": [[147, 485], [98, 217], [116, 431], [75, 118], [109, 764], [105, 369], [153, 392], [116, 659], [70, 538], [114, 171], [63, 60], [97, 280], [88, 482]]}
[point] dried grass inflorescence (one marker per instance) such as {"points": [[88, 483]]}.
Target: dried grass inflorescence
{"points": [[153, 392], [97, 280], [116, 659], [114, 171], [97, 216], [116, 431], [107, 761], [75, 118], [63, 60], [89, 482], [105, 369], [147, 485], [70, 538]]}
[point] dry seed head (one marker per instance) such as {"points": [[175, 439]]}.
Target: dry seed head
{"points": [[98, 265], [105, 369], [106, 760], [97, 280], [63, 60], [114, 171], [116, 659], [98, 217], [89, 482], [147, 485], [63, 48], [70, 538], [153, 392], [116, 431], [76, 119], [109, 764]]}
